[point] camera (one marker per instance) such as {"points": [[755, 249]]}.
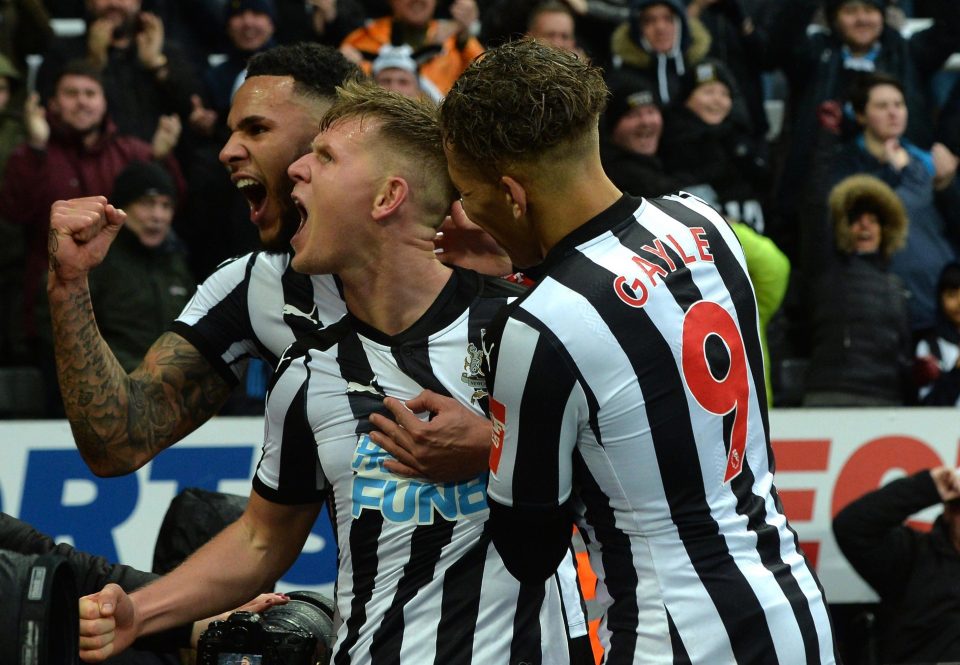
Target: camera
{"points": [[39, 618], [298, 633]]}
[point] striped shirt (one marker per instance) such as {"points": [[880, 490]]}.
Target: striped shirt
{"points": [[419, 580], [256, 306], [628, 386]]}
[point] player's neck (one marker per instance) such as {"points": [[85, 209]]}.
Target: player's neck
{"points": [[395, 288], [558, 213]]}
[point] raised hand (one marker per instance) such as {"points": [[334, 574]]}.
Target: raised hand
{"points": [[81, 231], [947, 482], [150, 41], [35, 120], [166, 135]]}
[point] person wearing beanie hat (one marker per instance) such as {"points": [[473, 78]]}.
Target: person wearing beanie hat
{"points": [[144, 281], [861, 346], [250, 24], [707, 140], [630, 137], [395, 69]]}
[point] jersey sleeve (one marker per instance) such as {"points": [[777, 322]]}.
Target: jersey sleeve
{"points": [[289, 470], [217, 322], [538, 407]]}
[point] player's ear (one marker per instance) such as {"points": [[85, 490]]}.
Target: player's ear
{"points": [[392, 193], [516, 196]]}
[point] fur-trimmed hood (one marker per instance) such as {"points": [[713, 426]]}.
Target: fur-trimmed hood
{"points": [[865, 192], [635, 55]]}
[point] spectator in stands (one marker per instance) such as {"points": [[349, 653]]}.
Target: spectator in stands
{"points": [[552, 23], [73, 149], [442, 48], [250, 26], [924, 180], [660, 43], [144, 282], [632, 127], [938, 352], [739, 40], [914, 572], [144, 75], [821, 66], [861, 344], [707, 143], [395, 69]]}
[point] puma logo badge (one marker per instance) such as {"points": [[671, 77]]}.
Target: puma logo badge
{"points": [[354, 388], [292, 310]]}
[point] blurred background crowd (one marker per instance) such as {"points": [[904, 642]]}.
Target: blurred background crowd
{"points": [[826, 131]]}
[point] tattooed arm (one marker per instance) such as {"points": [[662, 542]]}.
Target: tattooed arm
{"points": [[119, 421]]}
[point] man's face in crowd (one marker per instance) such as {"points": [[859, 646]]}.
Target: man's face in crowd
{"points": [[335, 185], [118, 10], [885, 114], [79, 103], [859, 25], [711, 102], [271, 127], [413, 12], [249, 30], [399, 80], [658, 25], [639, 129], [553, 28], [150, 217]]}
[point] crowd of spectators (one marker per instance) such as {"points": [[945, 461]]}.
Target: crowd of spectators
{"points": [[851, 191]]}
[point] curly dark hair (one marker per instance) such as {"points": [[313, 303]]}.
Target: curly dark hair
{"points": [[409, 130], [316, 69], [519, 102]]}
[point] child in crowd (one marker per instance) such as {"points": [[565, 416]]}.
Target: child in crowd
{"points": [[938, 353]]}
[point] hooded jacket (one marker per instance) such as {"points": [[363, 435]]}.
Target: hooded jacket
{"points": [[664, 71], [861, 341]]}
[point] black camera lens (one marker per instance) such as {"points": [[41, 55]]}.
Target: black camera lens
{"points": [[42, 626], [306, 611]]}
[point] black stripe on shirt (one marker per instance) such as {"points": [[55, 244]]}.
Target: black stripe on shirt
{"points": [[364, 532], [675, 447], [460, 607], [426, 546]]}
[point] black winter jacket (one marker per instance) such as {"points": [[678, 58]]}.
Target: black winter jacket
{"points": [[917, 575]]}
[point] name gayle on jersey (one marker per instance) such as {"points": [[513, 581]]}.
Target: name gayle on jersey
{"points": [[658, 264], [402, 499]]}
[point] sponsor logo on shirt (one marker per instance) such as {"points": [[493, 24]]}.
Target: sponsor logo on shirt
{"points": [[401, 499], [498, 414]]}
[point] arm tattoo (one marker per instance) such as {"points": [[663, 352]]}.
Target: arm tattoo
{"points": [[53, 244], [122, 421]]}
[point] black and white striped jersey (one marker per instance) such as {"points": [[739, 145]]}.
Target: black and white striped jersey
{"points": [[256, 306], [629, 384], [419, 580]]}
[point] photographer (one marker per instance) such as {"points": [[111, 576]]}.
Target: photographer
{"points": [[144, 75], [91, 573], [914, 573]]}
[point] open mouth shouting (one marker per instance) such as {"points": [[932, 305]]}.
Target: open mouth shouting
{"points": [[255, 194]]}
